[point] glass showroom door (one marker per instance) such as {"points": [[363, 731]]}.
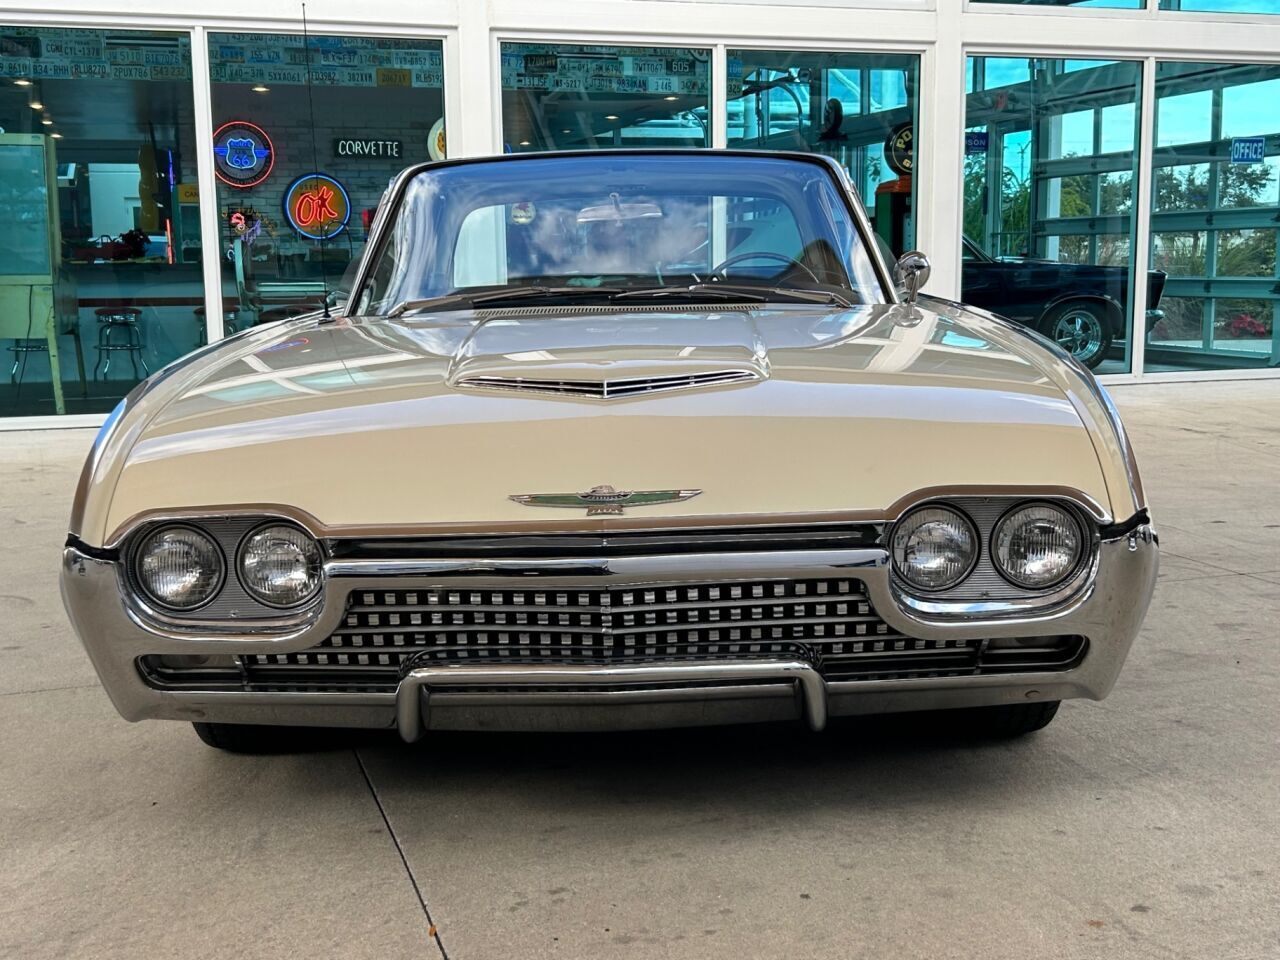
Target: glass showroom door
{"points": [[859, 108], [1050, 190], [1215, 216], [100, 278], [296, 198]]}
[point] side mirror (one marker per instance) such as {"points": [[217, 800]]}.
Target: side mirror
{"points": [[912, 273]]}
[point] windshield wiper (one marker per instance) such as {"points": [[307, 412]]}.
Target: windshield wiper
{"points": [[530, 291], [707, 291], [742, 292]]}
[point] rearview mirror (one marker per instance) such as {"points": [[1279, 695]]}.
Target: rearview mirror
{"points": [[912, 272]]}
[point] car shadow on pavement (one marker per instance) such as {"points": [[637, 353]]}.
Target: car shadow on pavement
{"points": [[879, 759]]}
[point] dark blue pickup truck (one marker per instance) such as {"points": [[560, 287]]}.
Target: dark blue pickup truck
{"points": [[1080, 306]]}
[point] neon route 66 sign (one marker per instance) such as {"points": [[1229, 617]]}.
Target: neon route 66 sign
{"points": [[243, 155]]}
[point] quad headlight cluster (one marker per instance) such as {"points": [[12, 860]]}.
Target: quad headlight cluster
{"points": [[181, 567], [1034, 545]]}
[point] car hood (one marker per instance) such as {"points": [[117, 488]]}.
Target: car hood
{"points": [[430, 420]]}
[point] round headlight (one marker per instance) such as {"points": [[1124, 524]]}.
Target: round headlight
{"points": [[1037, 545], [934, 547], [179, 567], [280, 565]]}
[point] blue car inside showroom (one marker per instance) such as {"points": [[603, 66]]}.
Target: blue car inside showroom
{"points": [[640, 478]]}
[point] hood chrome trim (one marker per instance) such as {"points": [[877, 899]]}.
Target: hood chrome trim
{"points": [[618, 389]]}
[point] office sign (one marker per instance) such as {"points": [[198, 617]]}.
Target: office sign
{"points": [[365, 148], [1248, 149]]}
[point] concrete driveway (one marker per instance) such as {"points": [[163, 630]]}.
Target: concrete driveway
{"points": [[1147, 825]]}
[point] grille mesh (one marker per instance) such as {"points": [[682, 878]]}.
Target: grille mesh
{"points": [[611, 389], [829, 621]]}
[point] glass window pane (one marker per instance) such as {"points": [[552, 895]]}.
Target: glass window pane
{"points": [[859, 108], [1215, 210], [100, 279], [1049, 189], [1184, 118], [1124, 4], [570, 96], [1222, 6], [295, 201]]}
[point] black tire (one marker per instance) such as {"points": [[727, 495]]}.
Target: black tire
{"points": [[1083, 328], [1008, 720], [254, 738]]}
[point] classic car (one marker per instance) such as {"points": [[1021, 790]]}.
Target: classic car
{"points": [[1080, 305], [616, 440]]}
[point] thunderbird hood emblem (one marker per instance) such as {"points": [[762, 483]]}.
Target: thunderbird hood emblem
{"points": [[604, 500]]}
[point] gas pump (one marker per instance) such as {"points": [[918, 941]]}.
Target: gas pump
{"points": [[894, 218]]}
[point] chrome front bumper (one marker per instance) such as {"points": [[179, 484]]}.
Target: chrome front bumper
{"points": [[1108, 611]]}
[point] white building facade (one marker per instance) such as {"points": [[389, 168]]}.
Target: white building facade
{"points": [[175, 171]]}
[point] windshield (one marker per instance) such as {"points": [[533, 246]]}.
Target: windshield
{"points": [[605, 228]]}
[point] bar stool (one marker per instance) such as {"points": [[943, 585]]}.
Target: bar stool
{"points": [[202, 333], [20, 349], [118, 330]]}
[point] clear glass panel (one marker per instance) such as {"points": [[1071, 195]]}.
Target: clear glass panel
{"points": [[100, 263], [1223, 6], [1049, 190], [859, 108], [1215, 211], [295, 199], [1123, 4], [571, 96]]}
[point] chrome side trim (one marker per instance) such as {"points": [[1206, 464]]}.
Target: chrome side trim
{"points": [[414, 697]]}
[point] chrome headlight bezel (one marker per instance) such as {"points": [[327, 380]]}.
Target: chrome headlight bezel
{"points": [[897, 556], [317, 589], [139, 581], [1084, 544]]}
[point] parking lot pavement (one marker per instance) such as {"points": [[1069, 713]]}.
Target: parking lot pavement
{"points": [[1147, 825]]}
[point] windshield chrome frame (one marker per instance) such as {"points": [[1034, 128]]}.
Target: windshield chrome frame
{"points": [[380, 231]]}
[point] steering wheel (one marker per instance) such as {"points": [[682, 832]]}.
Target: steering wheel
{"points": [[720, 268]]}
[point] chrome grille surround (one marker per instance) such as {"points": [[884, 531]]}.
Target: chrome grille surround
{"points": [[616, 389]]}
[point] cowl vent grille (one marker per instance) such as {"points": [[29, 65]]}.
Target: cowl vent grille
{"points": [[611, 389]]}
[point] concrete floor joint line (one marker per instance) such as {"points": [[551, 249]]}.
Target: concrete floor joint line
{"points": [[433, 932]]}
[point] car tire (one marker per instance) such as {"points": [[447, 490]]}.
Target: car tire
{"points": [[1007, 720], [251, 738], [1083, 328]]}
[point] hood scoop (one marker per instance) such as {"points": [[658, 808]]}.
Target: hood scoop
{"points": [[611, 357], [612, 389]]}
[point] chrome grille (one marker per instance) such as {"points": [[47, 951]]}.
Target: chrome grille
{"points": [[830, 621], [827, 621], [611, 389]]}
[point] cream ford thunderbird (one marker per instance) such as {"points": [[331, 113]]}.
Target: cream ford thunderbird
{"points": [[605, 441]]}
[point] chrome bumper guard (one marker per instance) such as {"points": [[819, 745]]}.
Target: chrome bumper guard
{"points": [[1108, 610], [425, 688]]}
